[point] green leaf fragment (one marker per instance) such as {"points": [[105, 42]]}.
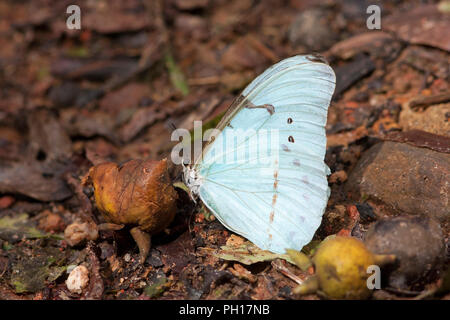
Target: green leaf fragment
{"points": [[176, 75], [181, 185], [78, 52], [15, 228], [157, 287]]}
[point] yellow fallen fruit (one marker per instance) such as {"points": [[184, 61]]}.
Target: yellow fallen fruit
{"points": [[341, 269]]}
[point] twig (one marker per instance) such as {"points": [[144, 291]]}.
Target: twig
{"points": [[403, 291], [265, 51], [205, 81], [86, 206], [96, 287], [285, 271], [425, 101]]}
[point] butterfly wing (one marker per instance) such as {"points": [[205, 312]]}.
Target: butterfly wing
{"points": [[275, 198]]}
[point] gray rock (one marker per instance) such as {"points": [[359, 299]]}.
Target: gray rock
{"points": [[406, 178], [418, 244]]}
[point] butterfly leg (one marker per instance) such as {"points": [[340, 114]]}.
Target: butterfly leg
{"points": [[270, 108]]}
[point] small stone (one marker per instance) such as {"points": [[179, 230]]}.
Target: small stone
{"points": [[419, 247], [6, 202], [78, 279], [107, 250], [433, 119], [311, 29], [338, 177], [235, 241], [406, 178], [51, 222], [78, 232], [127, 257]]}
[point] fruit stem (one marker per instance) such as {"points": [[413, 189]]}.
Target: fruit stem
{"points": [[311, 285], [383, 259]]}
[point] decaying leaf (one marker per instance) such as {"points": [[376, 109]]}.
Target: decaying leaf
{"points": [[15, 228], [32, 272], [33, 180], [246, 253], [419, 138]]}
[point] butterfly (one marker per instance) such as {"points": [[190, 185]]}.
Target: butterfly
{"points": [[275, 197]]}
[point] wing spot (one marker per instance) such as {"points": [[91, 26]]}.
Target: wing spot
{"points": [[274, 197], [285, 148], [296, 162], [274, 200], [289, 120], [291, 139], [305, 180], [275, 186]]}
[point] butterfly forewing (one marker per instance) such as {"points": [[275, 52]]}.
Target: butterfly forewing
{"points": [[269, 184]]}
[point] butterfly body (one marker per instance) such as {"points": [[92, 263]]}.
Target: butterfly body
{"points": [[263, 175]]}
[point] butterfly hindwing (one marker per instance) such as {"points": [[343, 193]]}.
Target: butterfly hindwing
{"points": [[275, 198]]}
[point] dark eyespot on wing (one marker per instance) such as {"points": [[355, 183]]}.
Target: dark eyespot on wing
{"points": [[289, 120], [291, 139]]}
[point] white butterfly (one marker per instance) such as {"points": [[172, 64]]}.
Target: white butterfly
{"points": [[275, 199]]}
